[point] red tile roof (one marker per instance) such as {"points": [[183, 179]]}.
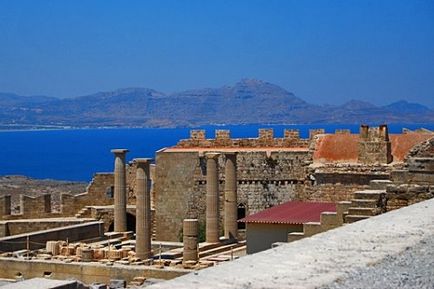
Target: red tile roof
{"points": [[293, 212]]}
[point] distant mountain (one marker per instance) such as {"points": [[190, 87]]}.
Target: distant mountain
{"points": [[357, 105], [403, 106], [10, 99], [248, 101]]}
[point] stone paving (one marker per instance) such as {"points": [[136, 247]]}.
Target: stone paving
{"points": [[412, 268]]}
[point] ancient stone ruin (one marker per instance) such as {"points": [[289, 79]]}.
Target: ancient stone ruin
{"points": [[162, 219]]}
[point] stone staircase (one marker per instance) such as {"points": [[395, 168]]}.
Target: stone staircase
{"points": [[366, 203], [221, 249], [328, 221], [85, 212]]}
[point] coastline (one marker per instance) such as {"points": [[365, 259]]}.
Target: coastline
{"points": [[13, 128]]}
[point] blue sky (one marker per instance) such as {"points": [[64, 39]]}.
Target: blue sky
{"points": [[323, 51]]}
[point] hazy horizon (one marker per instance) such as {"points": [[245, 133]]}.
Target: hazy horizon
{"points": [[322, 51], [344, 101]]}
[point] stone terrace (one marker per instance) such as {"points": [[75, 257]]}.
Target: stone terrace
{"points": [[323, 258]]}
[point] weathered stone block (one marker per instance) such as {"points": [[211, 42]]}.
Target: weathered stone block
{"points": [[312, 228], [329, 220]]}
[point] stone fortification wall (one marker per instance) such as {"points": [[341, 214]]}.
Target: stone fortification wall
{"points": [[374, 145], [324, 167], [291, 138], [175, 187], [265, 179], [368, 147]]}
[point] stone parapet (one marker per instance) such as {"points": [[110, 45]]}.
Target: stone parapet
{"points": [[265, 138]]}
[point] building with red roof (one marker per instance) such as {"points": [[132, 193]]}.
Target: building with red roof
{"points": [[274, 224]]}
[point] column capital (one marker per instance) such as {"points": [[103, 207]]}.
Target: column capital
{"points": [[119, 151], [142, 160], [212, 155]]}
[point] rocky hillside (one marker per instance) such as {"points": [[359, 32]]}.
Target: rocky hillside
{"points": [[248, 101]]}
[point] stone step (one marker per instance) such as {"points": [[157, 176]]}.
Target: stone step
{"points": [[137, 281], [364, 203], [361, 211], [225, 251], [379, 184], [355, 218], [294, 236], [312, 228], [84, 213], [220, 249], [369, 194]]}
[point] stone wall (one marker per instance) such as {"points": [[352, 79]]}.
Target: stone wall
{"points": [[37, 240], [402, 195], [415, 182], [15, 227], [270, 171], [265, 179], [98, 193], [175, 191], [291, 138], [334, 182], [85, 272], [374, 145]]}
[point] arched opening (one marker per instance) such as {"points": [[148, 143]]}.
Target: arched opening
{"points": [[241, 213], [131, 223]]}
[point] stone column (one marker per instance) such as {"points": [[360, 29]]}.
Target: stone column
{"points": [[212, 198], [190, 232], [143, 209], [120, 195], [231, 226]]}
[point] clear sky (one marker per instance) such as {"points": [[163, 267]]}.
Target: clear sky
{"points": [[323, 51]]}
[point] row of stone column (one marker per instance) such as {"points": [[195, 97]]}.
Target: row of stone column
{"points": [[212, 197], [143, 201], [143, 207]]}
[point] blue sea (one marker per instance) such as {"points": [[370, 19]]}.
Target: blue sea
{"points": [[76, 154]]}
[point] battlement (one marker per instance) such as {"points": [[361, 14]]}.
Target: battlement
{"points": [[223, 139], [375, 134], [374, 145]]}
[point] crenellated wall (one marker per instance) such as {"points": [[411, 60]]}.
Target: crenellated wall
{"points": [[324, 167], [374, 145], [265, 178], [291, 138]]}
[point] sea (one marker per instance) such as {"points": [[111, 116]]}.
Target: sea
{"points": [[76, 154]]}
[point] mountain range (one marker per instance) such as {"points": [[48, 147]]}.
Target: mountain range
{"points": [[246, 102]]}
